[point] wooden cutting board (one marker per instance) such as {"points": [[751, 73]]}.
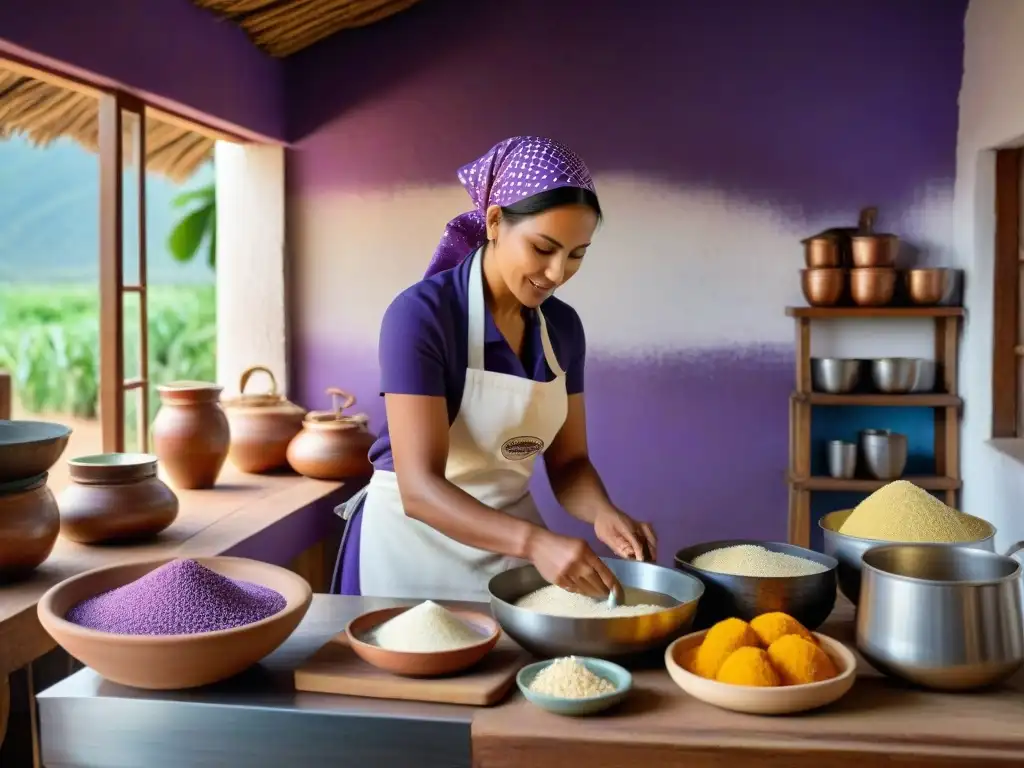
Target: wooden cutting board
{"points": [[336, 669]]}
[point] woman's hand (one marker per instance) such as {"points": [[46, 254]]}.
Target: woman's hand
{"points": [[572, 565], [626, 537]]}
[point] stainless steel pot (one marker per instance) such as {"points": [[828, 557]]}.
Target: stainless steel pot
{"points": [[849, 550], [884, 452], [942, 617]]}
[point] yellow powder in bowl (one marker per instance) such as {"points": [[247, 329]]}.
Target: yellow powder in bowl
{"points": [[900, 511]]}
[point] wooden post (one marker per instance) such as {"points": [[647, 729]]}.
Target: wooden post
{"points": [[5, 395]]}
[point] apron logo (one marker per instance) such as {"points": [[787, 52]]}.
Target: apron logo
{"points": [[519, 448]]}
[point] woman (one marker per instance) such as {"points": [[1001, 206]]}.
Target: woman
{"points": [[481, 371]]}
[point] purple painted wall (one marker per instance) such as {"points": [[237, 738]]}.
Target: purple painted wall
{"points": [[167, 48], [736, 118]]}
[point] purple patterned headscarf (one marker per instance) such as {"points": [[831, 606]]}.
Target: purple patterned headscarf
{"points": [[511, 171]]}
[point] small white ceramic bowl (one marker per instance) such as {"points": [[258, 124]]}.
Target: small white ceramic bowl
{"points": [[755, 700]]}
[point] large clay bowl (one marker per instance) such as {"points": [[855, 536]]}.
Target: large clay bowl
{"points": [[783, 700], [172, 662], [411, 664], [30, 448]]}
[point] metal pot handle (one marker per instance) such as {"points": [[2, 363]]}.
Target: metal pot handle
{"points": [[1014, 549]]}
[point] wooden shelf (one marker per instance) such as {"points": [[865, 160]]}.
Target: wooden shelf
{"points": [[946, 411], [835, 313], [867, 485], [917, 400]]}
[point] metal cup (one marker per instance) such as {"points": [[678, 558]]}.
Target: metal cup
{"points": [[842, 459]]}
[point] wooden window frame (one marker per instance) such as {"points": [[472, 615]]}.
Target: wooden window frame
{"points": [[114, 104], [113, 108], [1007, 348]]}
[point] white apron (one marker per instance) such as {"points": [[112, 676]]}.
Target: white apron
{"points": [[503, 424]]}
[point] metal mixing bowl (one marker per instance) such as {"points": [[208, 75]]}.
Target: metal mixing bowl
{"points": [[899, 375], [809, 599], [942, 617], [548, 636], [835, 375], [849, 550]]}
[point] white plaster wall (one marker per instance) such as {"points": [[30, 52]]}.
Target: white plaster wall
{"points": [[991, 116], [715, 271], [252, 327]]}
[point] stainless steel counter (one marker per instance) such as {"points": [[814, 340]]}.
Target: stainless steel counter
{"points": [[256, 720]]}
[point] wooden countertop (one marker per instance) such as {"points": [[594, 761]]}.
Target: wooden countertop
{"points": [[880, 722], [209, 522]]}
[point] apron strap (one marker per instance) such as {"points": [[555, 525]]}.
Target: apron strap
{"points": [[475, 313], [476, 322], [549, 352]]}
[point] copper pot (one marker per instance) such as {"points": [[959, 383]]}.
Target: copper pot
{"points": [[262, 425], [928, 287], [872, 287], [331, 445], [191, 434], [823, 287], [115, 497], [870, 249], [823, 251], [29, 525]]}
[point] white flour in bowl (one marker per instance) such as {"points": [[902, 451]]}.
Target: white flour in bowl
{"points": [[555, 601], [569, 678], [427, 628]]}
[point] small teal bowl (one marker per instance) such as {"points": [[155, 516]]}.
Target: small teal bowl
{"points": [[613, 673]]}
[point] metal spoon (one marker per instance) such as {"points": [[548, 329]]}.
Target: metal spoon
{"points": [[615, 598]]}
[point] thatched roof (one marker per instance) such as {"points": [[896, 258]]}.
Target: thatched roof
{"points": [[44, 108], [43, 112], [282, 27]]}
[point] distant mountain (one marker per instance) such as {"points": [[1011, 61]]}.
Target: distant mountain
{"points": [[49, 217]]}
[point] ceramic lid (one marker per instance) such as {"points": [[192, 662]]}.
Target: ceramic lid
{"points": [[263, 403], [336, 419]]}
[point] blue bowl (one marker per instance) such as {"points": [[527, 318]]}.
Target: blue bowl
{"points": [[613, 673]]}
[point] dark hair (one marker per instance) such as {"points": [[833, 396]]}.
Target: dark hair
{"points": [[545, 201]]}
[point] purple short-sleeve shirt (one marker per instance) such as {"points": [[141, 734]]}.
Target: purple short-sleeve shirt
{"points": [[424, 351]]}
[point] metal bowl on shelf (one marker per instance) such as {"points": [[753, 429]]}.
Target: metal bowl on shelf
{"points": [[941, 617], [848, 550], [835, 375], [931, 286], [902, 375], [884, 452], [809, 598], [872, 286], [823, 287], [548, 636]]}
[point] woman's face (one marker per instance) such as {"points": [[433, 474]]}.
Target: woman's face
{"points": [[538, 254]]}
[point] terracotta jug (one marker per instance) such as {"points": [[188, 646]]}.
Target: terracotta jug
{"points": [[262, 425], [29, 524], [331, 445], [115, 497], [191, 433]]}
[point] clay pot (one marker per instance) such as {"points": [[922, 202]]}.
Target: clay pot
{"points": [[115, 497], [262, 426], [331, 445], [191, 433], [29, 526]]}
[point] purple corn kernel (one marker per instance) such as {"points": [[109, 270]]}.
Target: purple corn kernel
{"points": [[181, 597]]}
